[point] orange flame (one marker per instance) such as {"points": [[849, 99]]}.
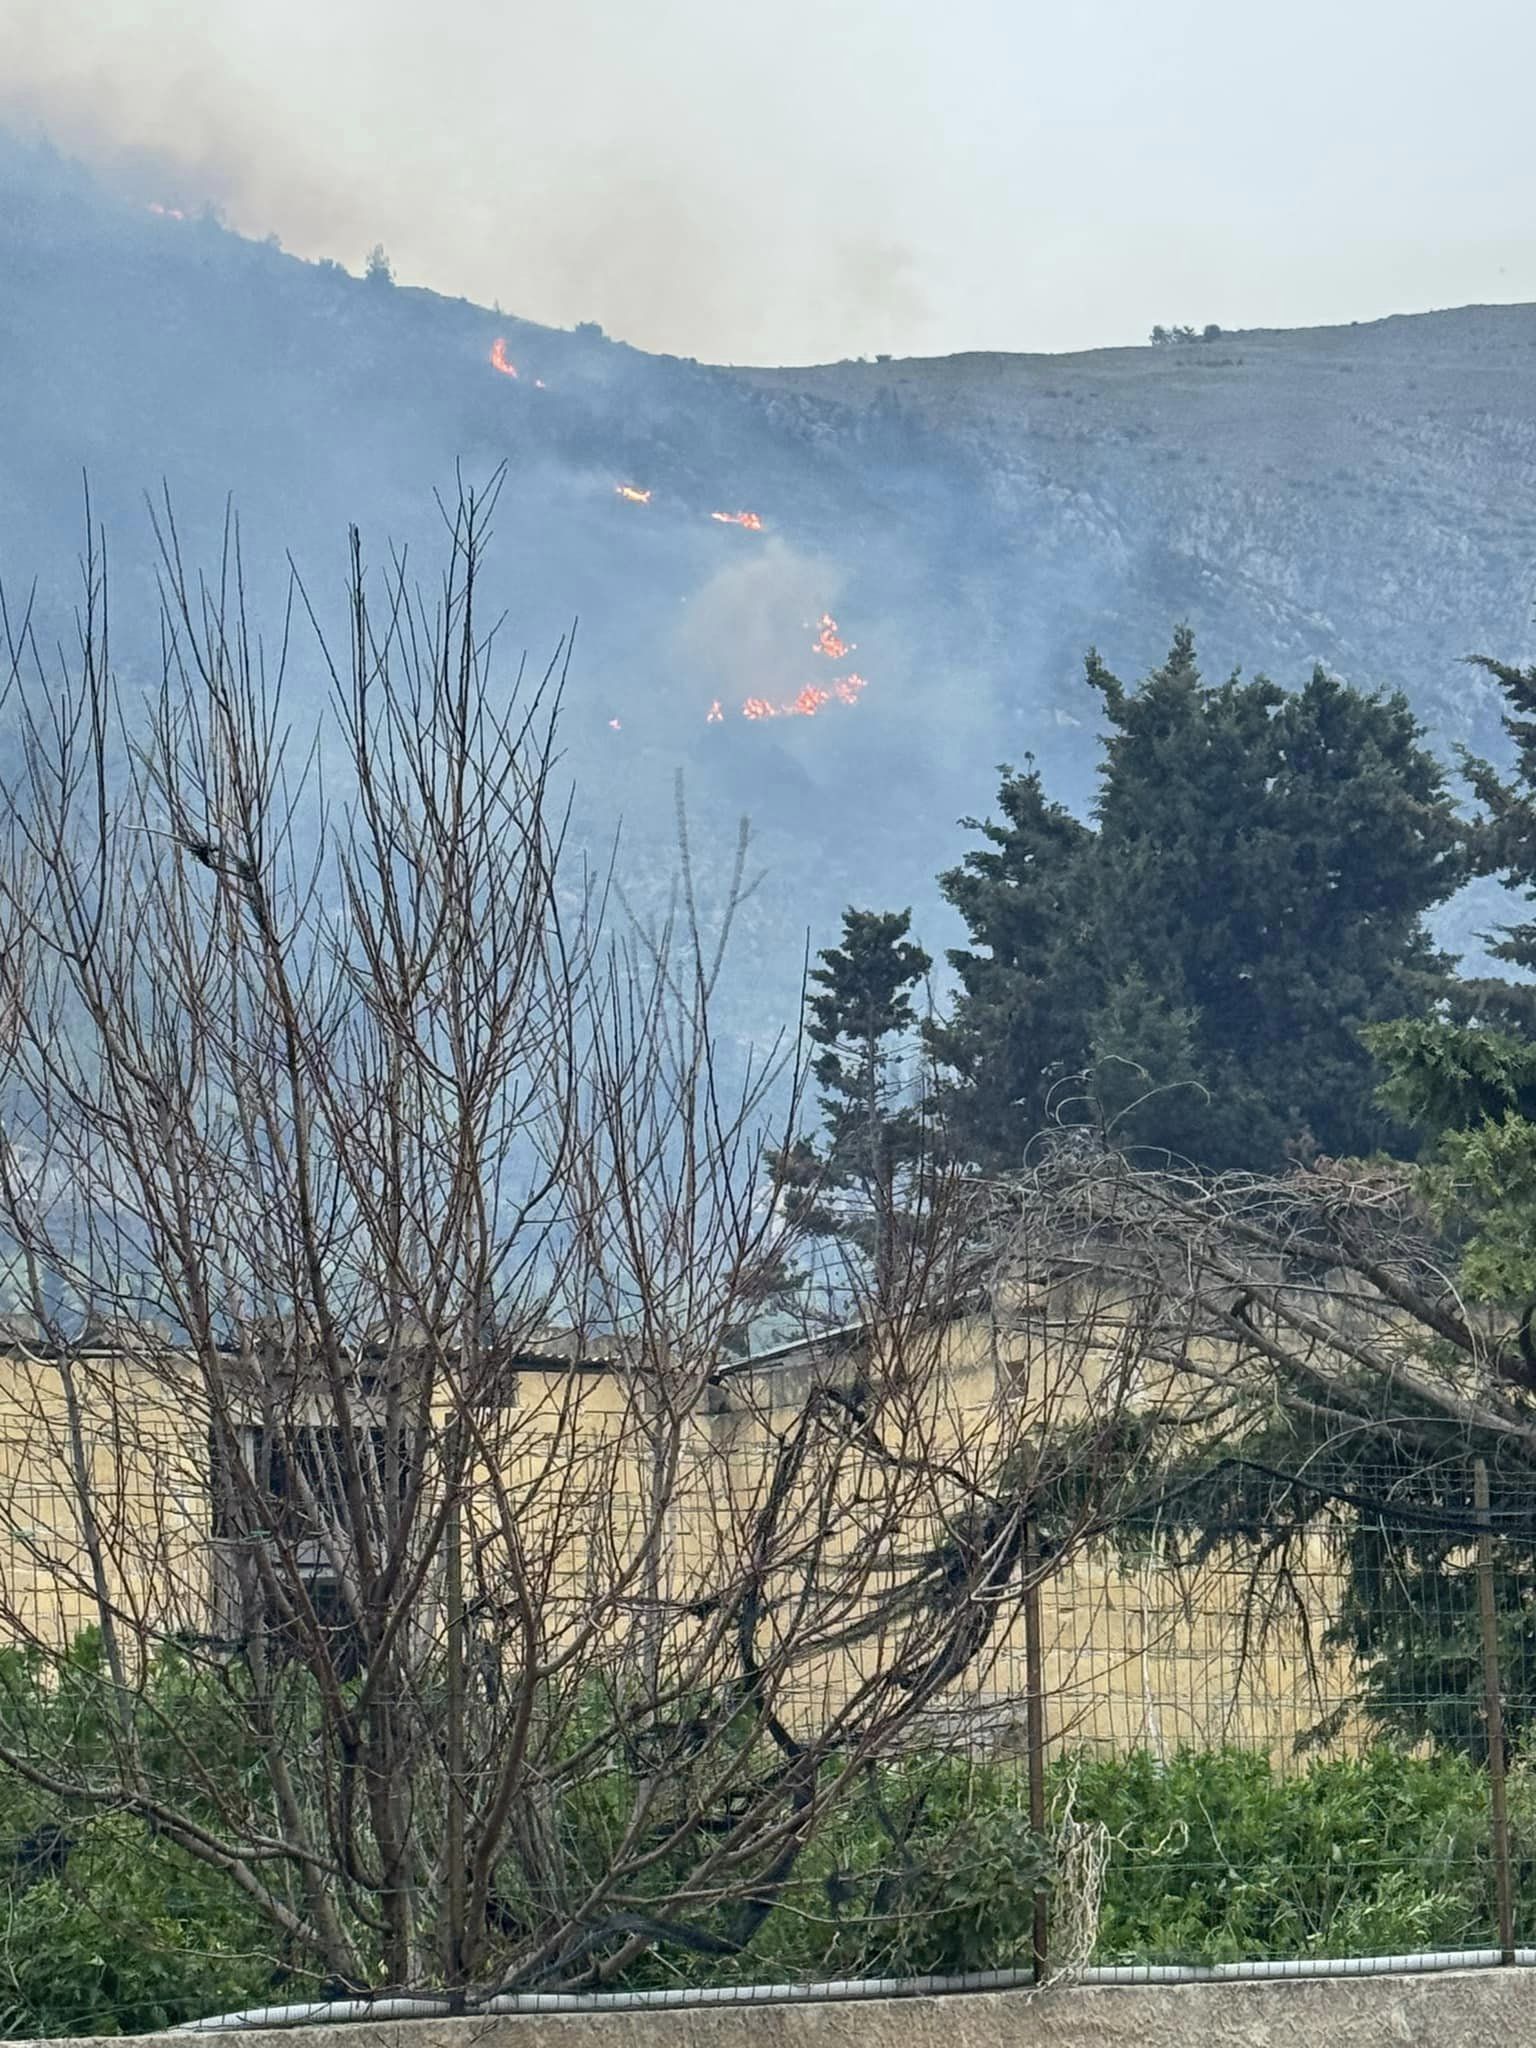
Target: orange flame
{"points": [[633, 493], [500, 360], [805, 705], [751, 520], [827, 641], [617, 727], [166, 212], [845, 689]]}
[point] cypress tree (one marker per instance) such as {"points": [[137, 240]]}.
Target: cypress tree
{"points": [[1194, 969], [848, 1183]]}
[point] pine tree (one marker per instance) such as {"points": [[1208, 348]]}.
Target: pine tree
{"points": [[1194, 970], [1142, 1050], [1505, 842], [1017, 1032], [849, 1183], [1264, 860], [1467, 1076]]}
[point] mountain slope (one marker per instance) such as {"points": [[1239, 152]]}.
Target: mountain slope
{"points": [[1360, 496]]}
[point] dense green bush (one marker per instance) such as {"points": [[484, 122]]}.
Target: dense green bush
{"points": [[1212, 1857], [1220, 1857], [105, 1928], [929, 1865], [126, 1937]]}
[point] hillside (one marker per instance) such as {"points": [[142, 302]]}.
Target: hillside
{"points": [[1360, 496]]}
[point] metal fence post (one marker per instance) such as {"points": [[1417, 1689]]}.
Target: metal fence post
{"points": [[1034, 1675], [454, 1846], [1493, 1708]]}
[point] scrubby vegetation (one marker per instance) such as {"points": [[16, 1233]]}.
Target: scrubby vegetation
{"points": [[1208, 1857]]}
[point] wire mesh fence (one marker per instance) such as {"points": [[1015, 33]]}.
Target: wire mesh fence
{"points": [[1267, 1721], [1290, 1742]]}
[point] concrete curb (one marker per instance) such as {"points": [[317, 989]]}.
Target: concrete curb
{"points": [[1456, 2009]]}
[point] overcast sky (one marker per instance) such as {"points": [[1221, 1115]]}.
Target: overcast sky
{"points": [[807, 179]]}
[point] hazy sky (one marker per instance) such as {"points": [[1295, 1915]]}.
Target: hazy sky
{"points": [[807, 179]]}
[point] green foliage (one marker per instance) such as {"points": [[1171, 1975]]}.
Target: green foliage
{"points": [[377, 269], [927, 1864], [1506, 834], [1448, 1077], [1196, 970], [1221, 1857], [1475, 1092], [1213, 1856], [128, 1937], [848, 1183], [108, 1928], [931, 1866], [1486, 1180], [1017, 1031], [1142, 1049], [1469, 1079], [859, 1016], [1388, 1504]]}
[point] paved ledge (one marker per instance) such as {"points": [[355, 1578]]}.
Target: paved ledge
{"points": [[1455, 2009]]}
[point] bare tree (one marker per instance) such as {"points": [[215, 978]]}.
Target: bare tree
{"points": [[1325, 1291], [380, 1204], [1339, 1427]]}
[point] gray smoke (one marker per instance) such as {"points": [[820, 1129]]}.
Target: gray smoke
{"points": [[572, 163], [814, 179], [748, 631]]}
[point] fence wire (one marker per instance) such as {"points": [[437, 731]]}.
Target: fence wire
{"points": [[1271, 1739]]}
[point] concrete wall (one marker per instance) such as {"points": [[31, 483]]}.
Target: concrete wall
{"points": [[1455, 2009], [1135, 1656]]}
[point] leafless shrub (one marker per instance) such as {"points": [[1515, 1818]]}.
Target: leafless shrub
{"points": [[1324, 1290], [380, 1207]]}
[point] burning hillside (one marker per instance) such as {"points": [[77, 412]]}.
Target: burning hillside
{"points": [[828, 642]]}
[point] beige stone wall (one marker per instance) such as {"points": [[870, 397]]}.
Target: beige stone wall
{"points": [[145, 1462], [1135, 1656]]}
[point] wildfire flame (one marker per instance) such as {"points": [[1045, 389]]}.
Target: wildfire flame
{"points": [[844, 689], [166, 212], [827, 641]]}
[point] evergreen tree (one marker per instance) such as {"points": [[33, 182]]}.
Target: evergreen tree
{"points": [[849, 1184], [1251, 895], [1505, 839], [1141, 1051], [1467, 1076], [1017, 1032]]}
